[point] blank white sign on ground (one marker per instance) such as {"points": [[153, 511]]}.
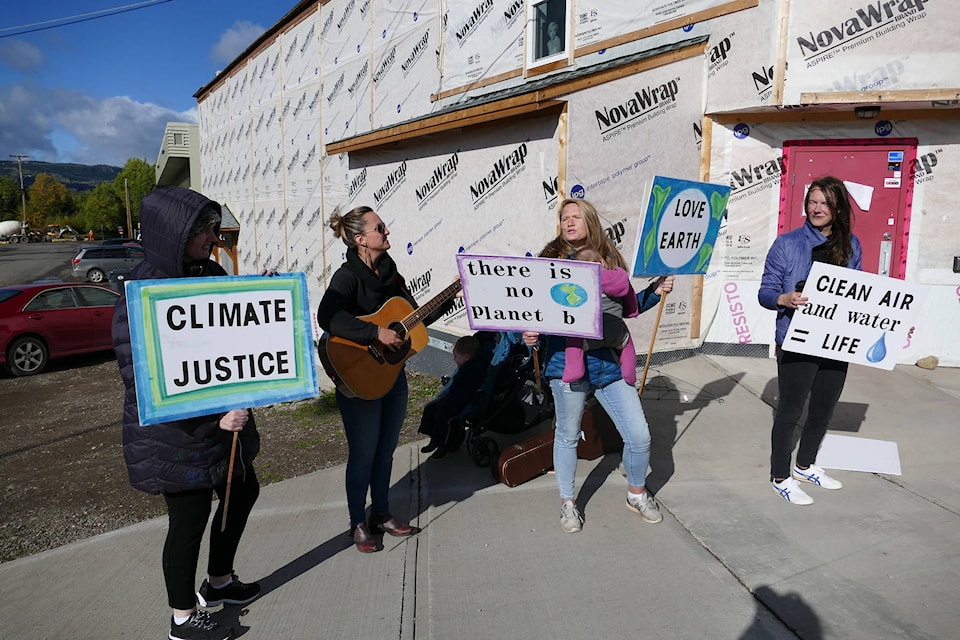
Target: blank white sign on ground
{"points": [[859, 454]]}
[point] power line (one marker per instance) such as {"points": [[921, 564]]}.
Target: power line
{"points": [[84, 17]]}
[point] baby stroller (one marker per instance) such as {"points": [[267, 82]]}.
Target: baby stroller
{"points": [[508, 401]]}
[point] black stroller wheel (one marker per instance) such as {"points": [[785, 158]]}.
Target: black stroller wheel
{"points": [[483, 451]]}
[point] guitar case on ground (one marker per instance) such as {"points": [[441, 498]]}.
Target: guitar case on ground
{"points": [[533, 457]]}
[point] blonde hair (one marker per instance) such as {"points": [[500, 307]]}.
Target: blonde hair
{"points": [[349, 225], [596, 237]]}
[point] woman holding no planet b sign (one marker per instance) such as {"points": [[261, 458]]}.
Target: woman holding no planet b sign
{"points": [[579, 228], [825, 236], [187, 460]]}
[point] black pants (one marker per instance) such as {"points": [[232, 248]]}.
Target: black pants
{"points": [[188, 514], [800, 376]]}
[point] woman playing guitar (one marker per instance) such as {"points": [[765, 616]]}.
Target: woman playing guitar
{"points": [[365, 283]]}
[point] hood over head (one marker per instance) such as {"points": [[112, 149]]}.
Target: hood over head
{"points": [[167, 219]]}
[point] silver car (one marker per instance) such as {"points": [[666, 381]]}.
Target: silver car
{"points": [[94, 263]]}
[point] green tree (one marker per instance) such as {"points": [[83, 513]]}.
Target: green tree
{"points": [[10, 208], [141, 179], [47, 200], [102, 210]]}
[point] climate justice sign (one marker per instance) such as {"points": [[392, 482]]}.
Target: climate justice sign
{"points": [[559, 297], [854, 316], [206, 345], [680, 227]]}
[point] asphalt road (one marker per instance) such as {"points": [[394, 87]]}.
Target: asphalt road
{"points": [[37, 261]]}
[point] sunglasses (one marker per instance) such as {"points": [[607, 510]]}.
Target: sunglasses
{"points": [[380, 228]]}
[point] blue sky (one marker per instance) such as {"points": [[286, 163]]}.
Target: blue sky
{"points": [[100, 91]]}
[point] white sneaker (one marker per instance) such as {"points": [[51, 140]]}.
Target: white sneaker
{"points": [[789, 489], [646, 506], [815, 475], [570, 519]]}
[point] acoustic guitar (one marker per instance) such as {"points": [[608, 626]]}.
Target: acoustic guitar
{"points": [[369, 371]]}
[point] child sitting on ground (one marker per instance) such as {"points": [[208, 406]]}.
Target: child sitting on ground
{"points": [[619, 302], [453, 399]]}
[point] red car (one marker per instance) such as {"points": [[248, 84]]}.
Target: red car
{"points": [[43, 321]]}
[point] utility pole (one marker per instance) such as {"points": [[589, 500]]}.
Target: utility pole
{"points": [[23, 194]]}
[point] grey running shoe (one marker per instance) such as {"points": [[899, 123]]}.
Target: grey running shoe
{"points": [[646, 506], [570, 519]]}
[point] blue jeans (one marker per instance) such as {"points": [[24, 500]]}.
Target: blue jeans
{"points": [[622, 404], [373, 429]]}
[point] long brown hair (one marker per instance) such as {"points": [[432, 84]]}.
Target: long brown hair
{"points": [[596, 237], [839, 245]]}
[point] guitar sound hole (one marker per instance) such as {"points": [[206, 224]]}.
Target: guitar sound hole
{"points": [[399, 329]]}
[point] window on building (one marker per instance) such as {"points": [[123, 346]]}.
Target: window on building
{"points": [[548, 27]]}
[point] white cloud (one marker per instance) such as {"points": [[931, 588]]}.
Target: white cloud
{"points": [[105, 130], [20, 55], [234, 40]]}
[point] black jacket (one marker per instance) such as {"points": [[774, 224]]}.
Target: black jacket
{"points": [[186, 454], [355, 290]]}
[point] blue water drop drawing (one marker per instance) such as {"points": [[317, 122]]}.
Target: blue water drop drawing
{"points": [[878, 351]]}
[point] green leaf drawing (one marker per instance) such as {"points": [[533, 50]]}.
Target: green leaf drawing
{"points": [[659, 200], [705, 252], [718, 204], [649, 246]]}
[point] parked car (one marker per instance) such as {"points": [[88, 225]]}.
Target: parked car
{"points": [[43, 321], [93, 263], [129, 242]]}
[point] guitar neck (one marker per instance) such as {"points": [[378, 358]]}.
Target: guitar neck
{"points": [[430, 306]]}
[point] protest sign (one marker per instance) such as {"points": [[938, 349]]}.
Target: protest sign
{"points": [[559, 297], [209, 345], [680, 227], [852, 316]]}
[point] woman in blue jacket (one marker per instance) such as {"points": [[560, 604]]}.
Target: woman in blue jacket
{"points": [[826, 236], [579, 228]]}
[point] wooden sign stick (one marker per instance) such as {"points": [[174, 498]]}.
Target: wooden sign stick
{"points": [[226, 496], [653, 338]]}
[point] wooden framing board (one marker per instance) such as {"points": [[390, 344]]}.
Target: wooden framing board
{"points": [[866, 97], [780, 55], [508, 107], [700, 16], [477, 84], [798, 115], [562, 139], [696, 294], [669, 25]]}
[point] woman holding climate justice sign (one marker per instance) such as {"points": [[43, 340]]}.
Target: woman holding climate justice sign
{"points": [[826, 236], [186, 461], [360, 287], [579, 228]]}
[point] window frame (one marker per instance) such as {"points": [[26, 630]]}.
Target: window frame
{"points": [[537, 22]]}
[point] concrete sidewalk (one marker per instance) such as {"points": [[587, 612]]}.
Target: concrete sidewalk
{"points": [[877, 559]]}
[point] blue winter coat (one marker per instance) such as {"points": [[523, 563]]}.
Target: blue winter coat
{"points": [[788, 262], [186, 454]]}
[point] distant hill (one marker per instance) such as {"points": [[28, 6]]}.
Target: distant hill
{"points": [[77, 177]]}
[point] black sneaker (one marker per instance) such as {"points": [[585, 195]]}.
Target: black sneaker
{"points": [[199, 626], [234, 593]]}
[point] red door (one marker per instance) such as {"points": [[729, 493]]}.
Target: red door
{"points": [[877, 173]]}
